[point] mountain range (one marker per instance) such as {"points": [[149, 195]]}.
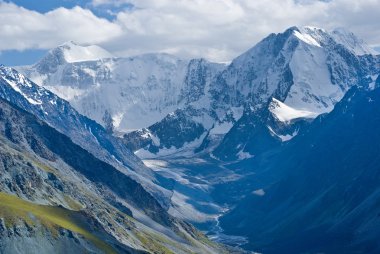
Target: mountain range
{"points": [[274, 152], [147, 98]]}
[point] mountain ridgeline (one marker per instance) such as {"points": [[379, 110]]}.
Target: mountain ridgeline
{"points": [[153, 97]]}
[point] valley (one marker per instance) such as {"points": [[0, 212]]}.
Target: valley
{"points": [[194, 193]]}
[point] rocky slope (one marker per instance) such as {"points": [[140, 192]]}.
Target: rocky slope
{"points": [[56, 194], [58, 113]]}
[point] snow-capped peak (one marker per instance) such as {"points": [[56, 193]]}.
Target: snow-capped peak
{"points": [[74, 52], [66, 53]]}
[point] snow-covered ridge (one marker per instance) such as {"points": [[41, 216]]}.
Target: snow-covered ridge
{"points": [[122, 93], [316, 36], [307, 38], [22, 85], [74, 52]]}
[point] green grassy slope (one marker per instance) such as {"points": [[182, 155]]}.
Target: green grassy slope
{"points": [[13, 209]]}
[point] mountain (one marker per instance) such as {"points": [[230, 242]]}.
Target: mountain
{"points": [[58, 113], [322, 188], [122, 94], [67, 53], [71, 52], [172, 106], [306, 70], [300, 73]]}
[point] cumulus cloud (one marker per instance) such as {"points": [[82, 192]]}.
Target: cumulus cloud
{"points": [[216, 29], [24, 29]]}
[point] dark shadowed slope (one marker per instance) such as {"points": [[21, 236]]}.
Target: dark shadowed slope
{"points": [[328, 198]]}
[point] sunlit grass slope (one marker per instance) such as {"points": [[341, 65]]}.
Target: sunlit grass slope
{"points": [[13, 209]]}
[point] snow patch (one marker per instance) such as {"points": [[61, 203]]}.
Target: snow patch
{"points": [[283, 138], [284, 113], [153, 164], [221, 128], [287, 137], [244, 155], [17, 89], [259, 192], [237, 112], [372, 85], [116, 119], [307, 38]]}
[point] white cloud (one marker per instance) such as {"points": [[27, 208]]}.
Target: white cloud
{"points": [[215, 29], [222, 29], [23, 29], [109, 2]]}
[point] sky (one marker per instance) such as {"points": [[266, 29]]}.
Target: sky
{"points": [[218, 30]]}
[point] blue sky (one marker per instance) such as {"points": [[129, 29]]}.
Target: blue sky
{"points": [[30, 56], [25, 57], [217, 30], [49, 5]]}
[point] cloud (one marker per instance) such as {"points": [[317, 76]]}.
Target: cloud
{"points": [[109, 2], [24, 29], [222, 29], [216, 29]]}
